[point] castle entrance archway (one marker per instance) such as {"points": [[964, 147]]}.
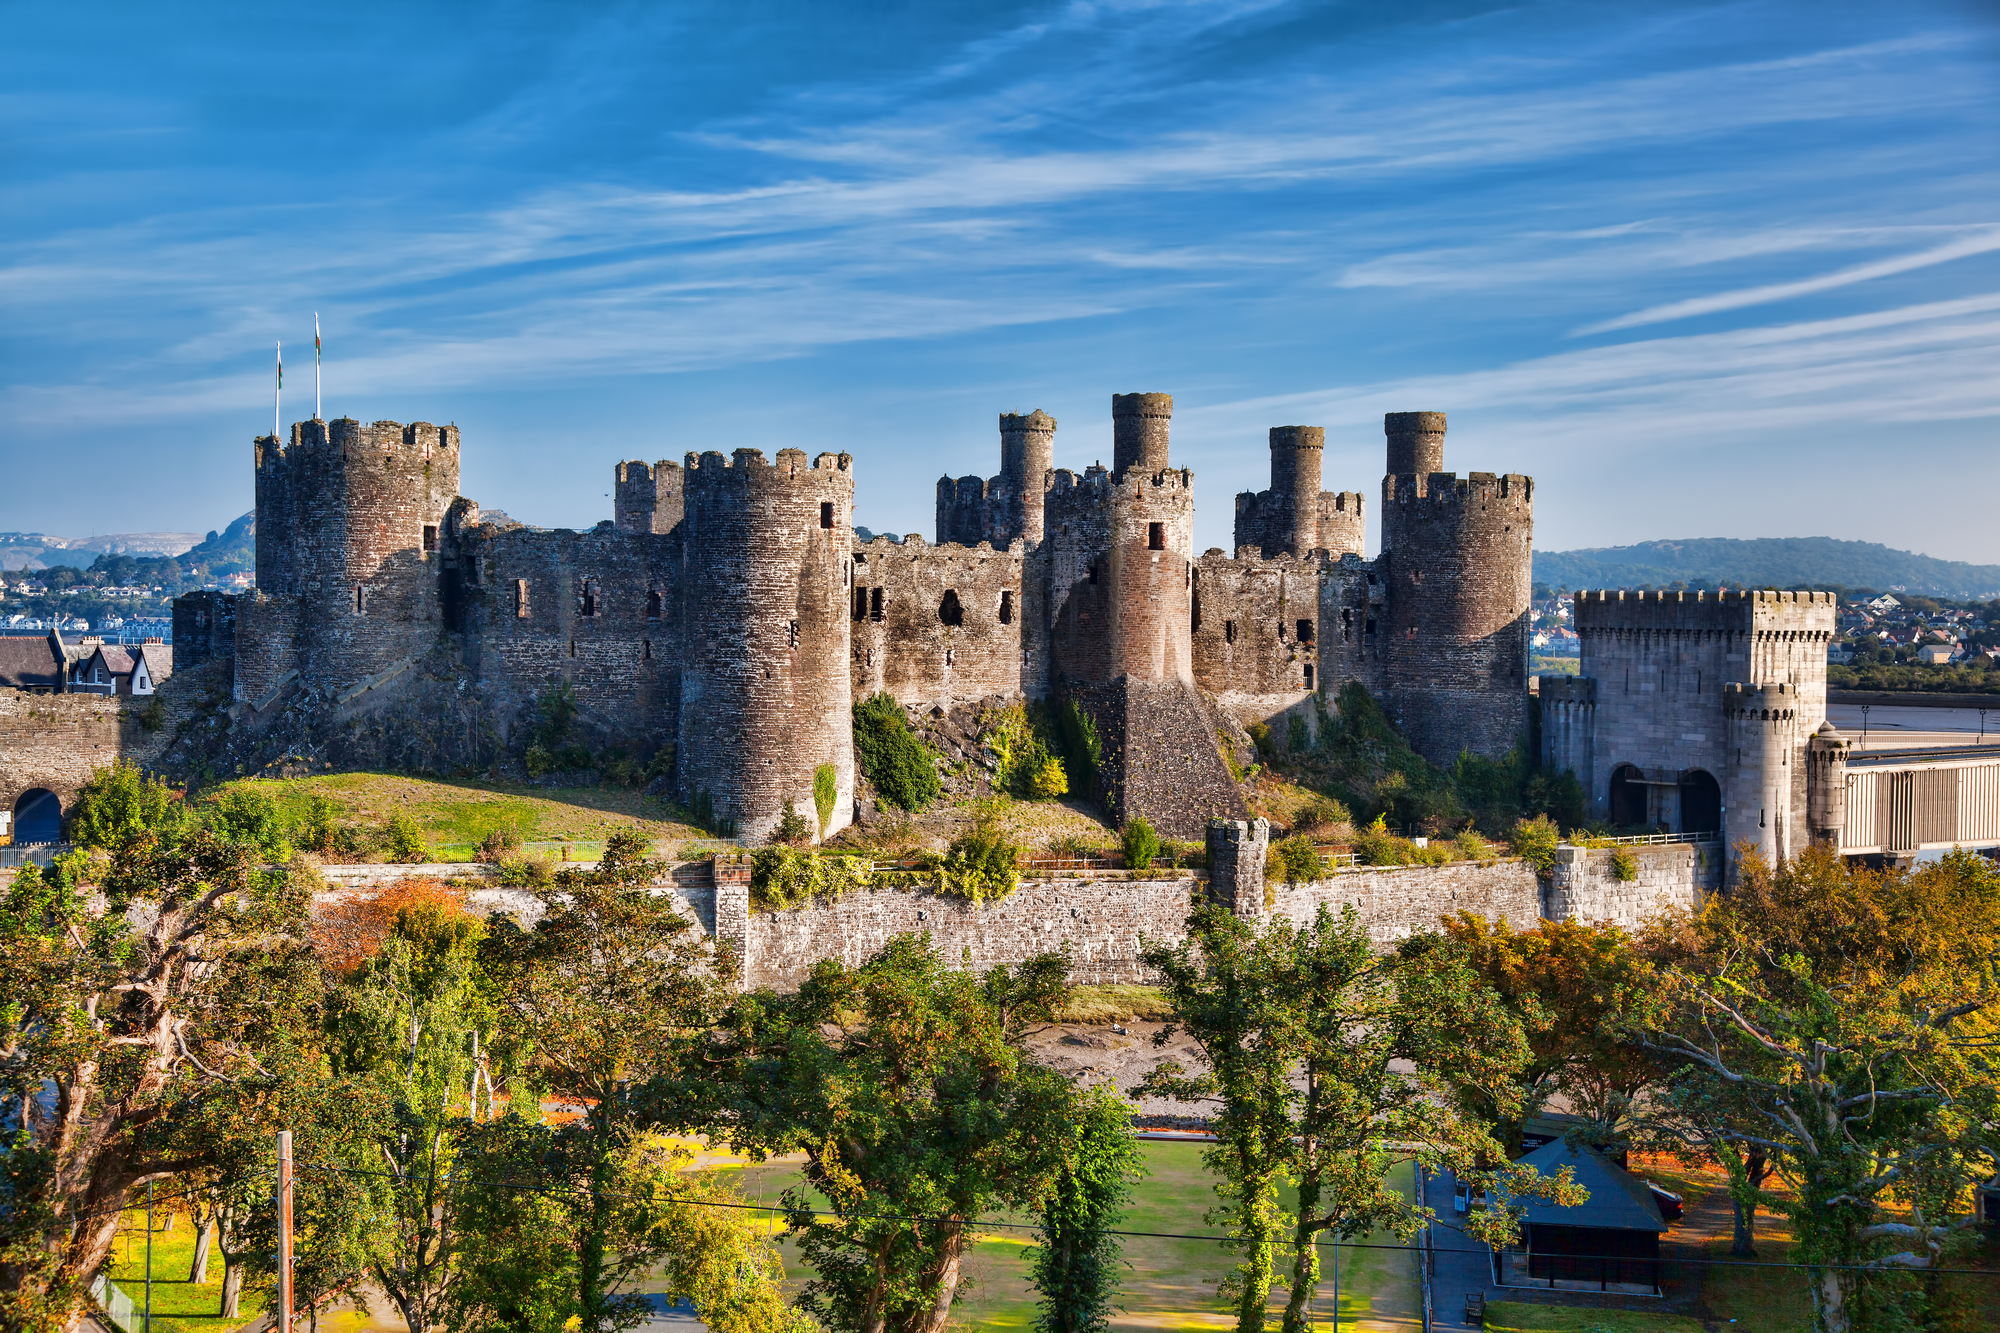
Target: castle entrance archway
{"points": [[1701, 802], [37, 817], [1628, 796]]}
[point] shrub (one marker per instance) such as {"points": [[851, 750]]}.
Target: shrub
{"points": [[1083, 751], [1377, 846], [826, 790], [248, 815], [981, 865], [1141, 845], [792, 828], [499, 845], [325, 829], [527, 872], [1534, 841], [403, 840], [118, 804], [1260, 736], [1298, 737], [782, 877], [1321, 814], [1297, 861], [1624, 865], [902, 767], [1469, 846], [1050, 780]]}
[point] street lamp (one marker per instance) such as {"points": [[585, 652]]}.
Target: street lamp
{"points": [[1864, 725]]}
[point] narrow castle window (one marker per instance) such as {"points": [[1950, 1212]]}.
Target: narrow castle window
{"points": [[1156, 536], [1093, 576], [949, 610], [653, 601], [645, 650], [430, 537], [1007, 606], [1281, 631], [521, 598], [947, 657], [1309, 675], [793, 637], [826, 514], [587, 601], [874, 603], [1305, 631], [572, 647], [1229, 631], [1369, 628], [360, 600], [1347, 626], [860, 602]]}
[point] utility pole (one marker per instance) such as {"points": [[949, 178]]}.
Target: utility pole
{"points": [[148, 1324], [284, 1231]]}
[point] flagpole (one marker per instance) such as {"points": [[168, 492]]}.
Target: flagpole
{"points": [[315, 365], [278, 391]]}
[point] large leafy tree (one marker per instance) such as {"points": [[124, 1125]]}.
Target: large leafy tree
{"points": [[598, 1004], [1843, 1021], [1076, 1264], [904, 1082], [1329, 1063], [1568, 984], [130, 1013]]}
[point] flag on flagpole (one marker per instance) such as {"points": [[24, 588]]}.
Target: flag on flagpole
{"points": [[315, 365], [278, 392]]}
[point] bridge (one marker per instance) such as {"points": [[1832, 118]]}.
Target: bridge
{"points": [[1904, 801]]}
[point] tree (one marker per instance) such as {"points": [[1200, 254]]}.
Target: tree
{"points": [[1847, 1017], [1569, 985], [178, 993], [1076, 1264], [1322, 1053], [903, 768], [409, 1024], [600, 1000], [904, 1082], [118, 804]]}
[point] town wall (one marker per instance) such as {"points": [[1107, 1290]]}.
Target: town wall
{"points": [[1396, 902], [1675, 876], [939, 624], [56, 741]]}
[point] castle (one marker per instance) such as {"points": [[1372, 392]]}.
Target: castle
{"points": [[727, 615]]}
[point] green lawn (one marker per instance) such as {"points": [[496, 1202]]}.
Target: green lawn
{"points": [[1519, 1317], [186, 1308], [1170, 1283], [456, 816]]}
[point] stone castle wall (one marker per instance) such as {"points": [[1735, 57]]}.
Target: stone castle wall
{"points": [[1671, 876], [941, 624], [1395, 902]]}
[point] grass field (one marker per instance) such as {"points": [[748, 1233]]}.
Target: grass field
{"points": [[1520, 1317], [1170, 1283], [457, 816]]}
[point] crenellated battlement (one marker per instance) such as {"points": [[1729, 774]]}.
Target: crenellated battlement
{"points": [[711, 469], [1442, 489]]}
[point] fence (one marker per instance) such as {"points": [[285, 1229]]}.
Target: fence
{"points": [[32, 853], [117, 1306], [1642, 838]]}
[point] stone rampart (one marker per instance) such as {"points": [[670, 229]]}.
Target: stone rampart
{"points": [[1396, 902], [939, 624], [1671, 876]]}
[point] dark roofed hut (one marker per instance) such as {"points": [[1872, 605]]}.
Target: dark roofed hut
{"points": [[1611, 1242]]}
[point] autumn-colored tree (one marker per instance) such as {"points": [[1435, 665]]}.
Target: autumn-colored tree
{"points": [[1569, 984], [1846, 1019]]}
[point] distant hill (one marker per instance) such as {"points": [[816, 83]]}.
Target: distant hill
{"points": [[226, 552], [1766, 562], [40, 550]]}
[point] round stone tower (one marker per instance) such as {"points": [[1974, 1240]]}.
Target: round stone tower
{"points": [[1297, 453], [1826, 786], [1416, 443], [1457, 555], [351, 515], [767, 555], [1756, 803], [1027, 453], [1139, 423], [1151, 567]]}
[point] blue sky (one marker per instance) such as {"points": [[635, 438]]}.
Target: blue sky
{"points": [[1701, 269]]}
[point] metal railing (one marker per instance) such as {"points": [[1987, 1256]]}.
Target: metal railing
{"points": [[117, 1306], [1643, 838], [32, 853]]}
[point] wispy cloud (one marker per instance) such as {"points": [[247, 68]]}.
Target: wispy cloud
{"points": [[1980, 242]]}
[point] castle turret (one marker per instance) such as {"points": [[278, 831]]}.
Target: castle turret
{"points": [[1295, 517], [647, 499], [1458, 559], [1139, 423], [352, 514], [1027, 453], [1826, 786], [767, 556], [1416, 443], [1762, 721]]}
